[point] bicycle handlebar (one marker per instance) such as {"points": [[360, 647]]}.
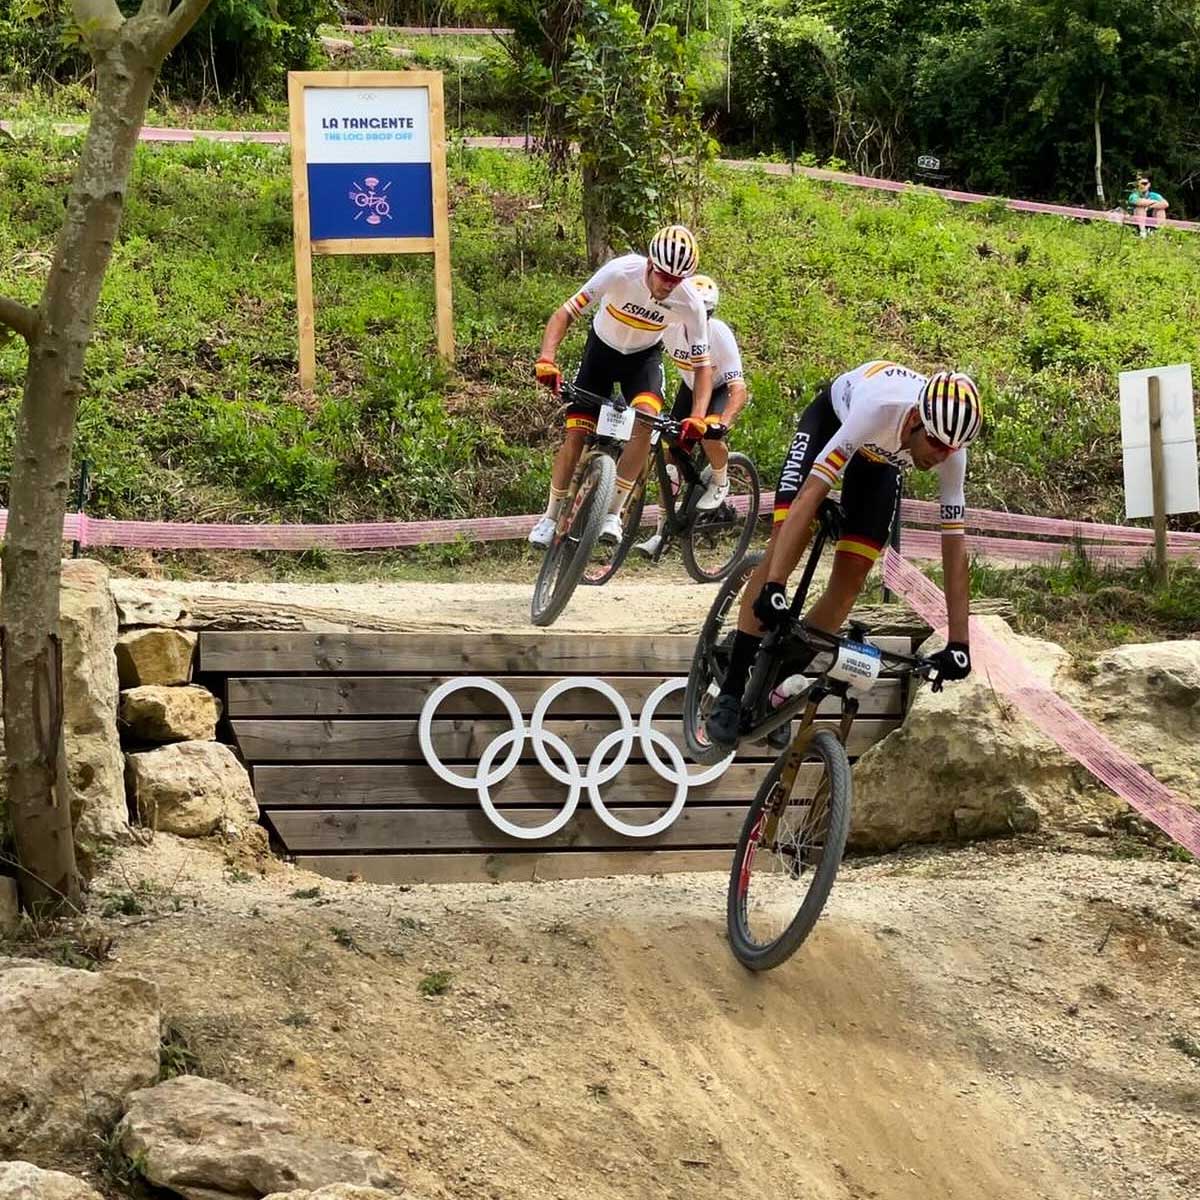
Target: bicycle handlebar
{"points": [[667, 426], [820, 640]]}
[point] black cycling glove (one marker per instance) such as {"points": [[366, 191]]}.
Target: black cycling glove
{"points": [[954, 662], [771, 607]]}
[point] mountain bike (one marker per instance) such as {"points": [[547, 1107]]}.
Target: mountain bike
{"points": [[576, 537]]}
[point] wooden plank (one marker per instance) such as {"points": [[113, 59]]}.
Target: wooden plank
{"points": [[441, 218], [417, 787], [396, 245], [510, 868], [258, 652], [462, 738], [405, 695], [306, 830], [301, 240]]}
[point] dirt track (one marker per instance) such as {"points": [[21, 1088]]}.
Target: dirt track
{"points": [[969, 1024]]}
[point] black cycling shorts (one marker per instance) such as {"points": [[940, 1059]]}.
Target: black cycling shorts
{"points": [[870, 488], [639, 376], [683, 401]]}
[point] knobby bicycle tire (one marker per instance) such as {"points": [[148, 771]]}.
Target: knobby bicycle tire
{"points": [[598, 574], [760, 956], [720, 622], [559, 575], [696, 529]]}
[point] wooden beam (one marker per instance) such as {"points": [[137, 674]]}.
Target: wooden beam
{"points": [[404, 695], [510, 868], [308, 830], [416, 786]]}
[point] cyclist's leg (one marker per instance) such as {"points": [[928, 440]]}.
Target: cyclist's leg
{"points": [[870, 493], [596, 374], [716, 451], [681, 408], [643, 385]]}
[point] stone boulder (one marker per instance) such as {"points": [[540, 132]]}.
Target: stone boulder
{"points": [[24, 1181], [154, 713], [162, 656], [75, 1045], [95, 765], [207, 1141], [965, 763], [190, 789]]}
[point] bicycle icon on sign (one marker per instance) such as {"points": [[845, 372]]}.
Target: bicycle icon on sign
{"points": [[374, 205]]}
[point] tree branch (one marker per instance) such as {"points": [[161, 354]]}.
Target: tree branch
{"points": [[98, 20], [183, 16], [18, 317]]}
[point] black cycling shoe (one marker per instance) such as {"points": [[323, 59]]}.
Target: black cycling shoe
{"points": [[723, 720]]}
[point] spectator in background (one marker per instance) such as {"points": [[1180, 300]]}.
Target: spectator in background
{"points": [[1145, 203]]}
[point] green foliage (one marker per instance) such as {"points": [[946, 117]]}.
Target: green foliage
{"points": [[436, 983]]}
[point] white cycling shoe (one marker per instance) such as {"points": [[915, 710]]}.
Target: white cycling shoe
{"points": [[714, 496], [611, 530], [650, 546], [542, 534]]}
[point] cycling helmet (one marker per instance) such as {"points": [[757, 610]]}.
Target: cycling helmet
{"points": [[708, 290], [673, 251], [950, 409]]}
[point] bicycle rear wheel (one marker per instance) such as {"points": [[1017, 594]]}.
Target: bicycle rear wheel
{"points": [[568, 554], [715, 541], [788, 854], [710, 660], [605, 561]]}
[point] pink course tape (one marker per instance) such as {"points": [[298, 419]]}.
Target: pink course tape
{"points": [[1076, 735]]}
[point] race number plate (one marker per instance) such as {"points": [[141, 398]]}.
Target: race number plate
{"points": [[858, 665], [615, 424]]}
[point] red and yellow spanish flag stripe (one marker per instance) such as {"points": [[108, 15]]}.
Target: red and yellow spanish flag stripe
{"points": [[823, 473], [651, 401], [633, 322], [860, 546], [875, 368], [780, 513], [702, 360]]}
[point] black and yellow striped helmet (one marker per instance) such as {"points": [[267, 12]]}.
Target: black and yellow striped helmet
{"points": [[950, 409], [673, 251]]}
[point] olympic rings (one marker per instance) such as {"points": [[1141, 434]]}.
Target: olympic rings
{"points": [[487, 775]]}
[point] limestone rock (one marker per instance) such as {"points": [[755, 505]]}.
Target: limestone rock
{"points": [[162, 656], [208, 1141], [10, 909], [154, 713], [337, 1191], [24, 1181], [965, 763], [95, 766], [190, 788], [75, 1044]]}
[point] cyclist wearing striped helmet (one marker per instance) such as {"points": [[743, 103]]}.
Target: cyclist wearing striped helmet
{"points": [[637, 298], [858, 434]]}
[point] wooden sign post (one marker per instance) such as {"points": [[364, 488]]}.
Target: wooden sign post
{"points": [[368, 177], [1158, 480]]}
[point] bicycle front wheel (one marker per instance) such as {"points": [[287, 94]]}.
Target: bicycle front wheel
{"points": [[605, 561], [568, 554], [715, 541], [788, 854]]}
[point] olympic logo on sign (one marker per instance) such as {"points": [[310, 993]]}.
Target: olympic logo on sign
{"points": [[622, 740]]}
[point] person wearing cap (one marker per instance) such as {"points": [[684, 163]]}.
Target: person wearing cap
{"points": [[1145, 202]]}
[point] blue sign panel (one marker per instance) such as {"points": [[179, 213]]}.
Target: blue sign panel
{"points": [[363, 200]]}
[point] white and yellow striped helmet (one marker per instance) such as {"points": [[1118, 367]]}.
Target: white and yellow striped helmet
{"points": [[706, 285], [673, 251], [950, 409]]}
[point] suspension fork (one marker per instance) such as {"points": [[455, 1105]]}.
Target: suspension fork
{"points": [[566, 517], [796, 754]]}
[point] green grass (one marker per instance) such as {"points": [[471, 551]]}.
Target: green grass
{"points": [[192, 412]]}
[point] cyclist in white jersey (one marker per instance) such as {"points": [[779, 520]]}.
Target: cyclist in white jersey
{"points": [[637, 300], [860, 433], [728, 398]]}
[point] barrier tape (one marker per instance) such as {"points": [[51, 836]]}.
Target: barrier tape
{"points": [[1072, 732]]}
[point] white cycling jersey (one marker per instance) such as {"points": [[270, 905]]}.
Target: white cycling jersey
{"points": [[873, 402], [628, 318], [724, 353]]}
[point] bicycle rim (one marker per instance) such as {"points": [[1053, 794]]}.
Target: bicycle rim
{"points": [[715, 541], [605, 561], [709, 661], [788, 853], [568, 554]]}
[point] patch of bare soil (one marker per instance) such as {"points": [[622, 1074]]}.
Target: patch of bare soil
{"points": [[961, 1024]]}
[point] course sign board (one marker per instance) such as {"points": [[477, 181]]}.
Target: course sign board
{"points": [[1178, 434], [368, 177]]}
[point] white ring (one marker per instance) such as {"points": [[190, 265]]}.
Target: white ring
{"points": [[667, 818], [646, 731], [626, 731], [425, 728], [527, 832]]}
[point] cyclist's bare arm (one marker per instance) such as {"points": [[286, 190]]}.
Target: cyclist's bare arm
{"points": [[793, 536], [701, 391], [958, 586], [556, 330]]}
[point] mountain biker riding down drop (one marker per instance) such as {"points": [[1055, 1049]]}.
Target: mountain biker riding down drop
{"points": [[860, 431], [728, 398], [637, 299]]}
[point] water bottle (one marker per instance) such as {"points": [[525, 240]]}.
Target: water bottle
{"points": [[792, 686]]}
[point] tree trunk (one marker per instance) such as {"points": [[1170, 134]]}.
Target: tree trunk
{"points": [[595, 219], [1099, 158], [38, 796]]}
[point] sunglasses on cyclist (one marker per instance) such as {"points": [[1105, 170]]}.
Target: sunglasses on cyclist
{"points": [[673, 280]]}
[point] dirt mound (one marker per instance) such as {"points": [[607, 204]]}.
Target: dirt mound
{"points": [[966, 1024]]}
